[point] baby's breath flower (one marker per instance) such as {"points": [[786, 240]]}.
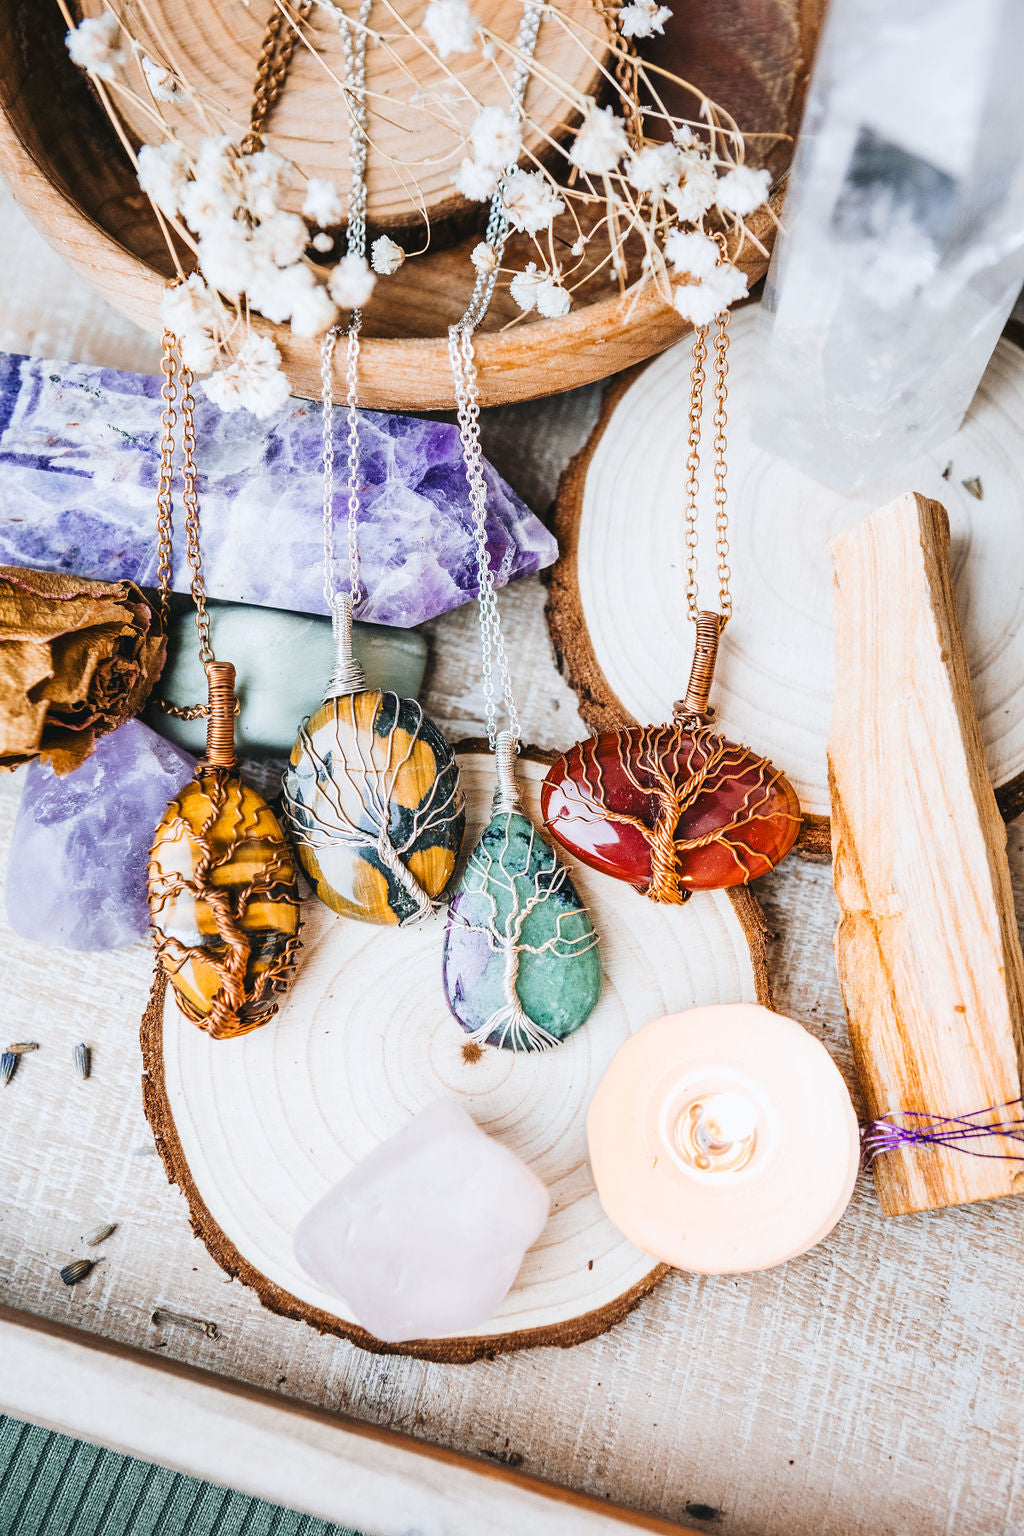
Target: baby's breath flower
{"points": [[282, 238], [163, 82], [601, 141], [322, 203], [386, 255], [253, 382], [727, 283], [690, 251], [323, 243], [351, 282], [531, 201], [552, 300], [275, 291], [199, 350], [643, 18], [314, 311], [477, 182], [524, 286], [163, 174], [451, 27], [225, 257], [696, 303], [694, 193], [266, 178], [496, 137], [742, 189], [701, 302], [97, 44], [484, 257], [655, 168], [190, 306]]}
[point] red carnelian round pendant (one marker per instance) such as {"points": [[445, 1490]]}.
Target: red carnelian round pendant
{"points": [[671, 808]]}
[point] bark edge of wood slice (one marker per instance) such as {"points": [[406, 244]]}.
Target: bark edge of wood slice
{"points": [[62, 162], [564, 1331], [582, 631]]}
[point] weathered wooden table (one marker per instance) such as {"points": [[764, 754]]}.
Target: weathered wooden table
{"points": [[870, 1386]]}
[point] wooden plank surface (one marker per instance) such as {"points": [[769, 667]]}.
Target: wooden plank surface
{"points": [[927, 950], [870, 1388]]}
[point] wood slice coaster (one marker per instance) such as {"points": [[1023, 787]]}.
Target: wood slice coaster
{"points": [[616, 609], [254, 1131], [414, 144], [62, 160]]}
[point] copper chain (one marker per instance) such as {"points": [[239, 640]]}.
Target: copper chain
{"points": [[719, 419], [175, 372], [275, 56]]}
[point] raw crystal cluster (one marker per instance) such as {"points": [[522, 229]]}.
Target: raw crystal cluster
{"points": [[902, 247], [76, 875], [424, 1238], [79, 450]]}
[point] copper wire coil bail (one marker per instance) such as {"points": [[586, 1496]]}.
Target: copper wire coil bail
{"points": [[220, 723], [694, 705]]}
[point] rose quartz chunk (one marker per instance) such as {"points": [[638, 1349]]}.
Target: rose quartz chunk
{"points": [[424, 1238]]}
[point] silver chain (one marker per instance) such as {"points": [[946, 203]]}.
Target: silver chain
{"points": [[353, 38], [465, 378]]}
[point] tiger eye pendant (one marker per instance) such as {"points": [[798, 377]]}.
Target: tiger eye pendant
{"points": [[223, 894], [673, 808], [372, 797]]}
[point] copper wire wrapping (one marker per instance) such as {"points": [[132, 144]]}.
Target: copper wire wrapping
{"points": [[694, 704], [220, 724]]}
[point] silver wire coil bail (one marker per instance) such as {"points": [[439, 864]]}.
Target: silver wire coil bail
{"points": [[506, 793], [348, 675]]}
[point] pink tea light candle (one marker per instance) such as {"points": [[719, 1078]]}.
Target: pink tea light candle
{"points": [[723, 1140]]}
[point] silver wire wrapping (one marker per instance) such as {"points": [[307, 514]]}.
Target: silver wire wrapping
{"points": [[348, 675], [464, 376], [506, 792]]}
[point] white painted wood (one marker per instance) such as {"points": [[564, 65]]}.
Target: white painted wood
{"points": [[774, 677], [364, 1040], [310, 1463], [870, 1388]]}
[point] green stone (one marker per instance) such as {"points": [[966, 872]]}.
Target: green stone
{"points": [[282, 664], [522, 968]]}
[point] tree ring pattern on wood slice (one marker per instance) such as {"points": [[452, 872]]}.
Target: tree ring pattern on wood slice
{"points": [[416, 120], [365, 1039], [619, 523]]}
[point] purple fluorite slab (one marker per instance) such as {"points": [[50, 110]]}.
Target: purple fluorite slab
{"points": [[78, 464], [77, 871]]}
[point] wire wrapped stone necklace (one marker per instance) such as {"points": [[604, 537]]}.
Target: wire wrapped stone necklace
{"points": [[521, 963], [676, 808], [372, 794], [223, 893]]}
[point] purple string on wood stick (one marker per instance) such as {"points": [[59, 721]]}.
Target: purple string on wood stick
{"points": [[925, 1129]]}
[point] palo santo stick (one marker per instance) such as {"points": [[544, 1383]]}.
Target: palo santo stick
{"points": [[927, 949]]}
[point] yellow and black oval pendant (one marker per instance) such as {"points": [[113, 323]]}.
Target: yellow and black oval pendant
{"points": [[223, 894], [373, 799]]}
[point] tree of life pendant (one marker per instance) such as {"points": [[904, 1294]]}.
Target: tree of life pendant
{"points": [[372, 798], [521, 964], [673, 808], [223, 893]]}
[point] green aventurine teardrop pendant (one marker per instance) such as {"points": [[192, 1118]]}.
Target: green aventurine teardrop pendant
{"points": [[372, 797], [521, 962], [223, 893]]}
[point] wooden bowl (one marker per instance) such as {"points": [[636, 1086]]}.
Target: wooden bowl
{"points": [[62, 160]]}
